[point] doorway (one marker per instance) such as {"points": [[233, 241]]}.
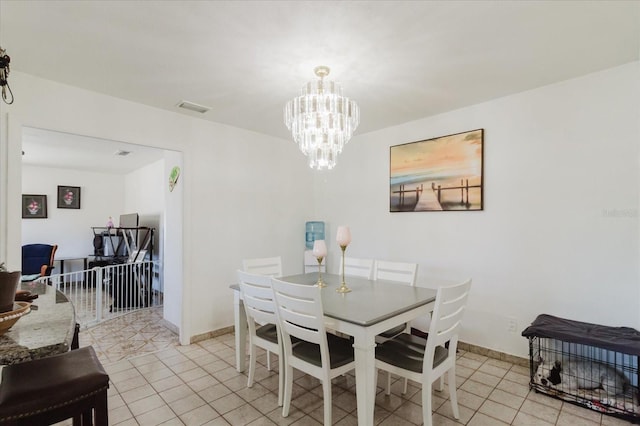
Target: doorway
{"points": [[114, 178]]}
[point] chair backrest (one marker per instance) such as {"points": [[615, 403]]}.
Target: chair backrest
{"points": [[357, 267], [446, 319], [395, 271], [257, 297], [38, 258], [300, 314], [270, 266]]}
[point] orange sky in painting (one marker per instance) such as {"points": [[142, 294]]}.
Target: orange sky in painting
{"points": [[446, 153]]}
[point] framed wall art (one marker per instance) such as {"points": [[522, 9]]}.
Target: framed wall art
{"points": [[68, 197], [34, 206], [439, 174]]}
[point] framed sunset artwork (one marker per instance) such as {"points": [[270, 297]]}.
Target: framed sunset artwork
{"points": [[439, 174]]}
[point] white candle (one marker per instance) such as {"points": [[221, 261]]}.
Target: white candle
{"points": [[344, 236], [319, 248]]}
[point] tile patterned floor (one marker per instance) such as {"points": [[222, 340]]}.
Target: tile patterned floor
{"points": [[132, 334], [198, 385]]}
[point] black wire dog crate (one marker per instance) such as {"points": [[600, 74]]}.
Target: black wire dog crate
{"points": [[590, 365]]}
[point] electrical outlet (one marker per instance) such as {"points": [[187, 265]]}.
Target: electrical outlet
{"points": [[512, 325]]}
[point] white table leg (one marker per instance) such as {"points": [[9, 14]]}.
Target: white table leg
{"points": [[364, 350], [240, 322]]}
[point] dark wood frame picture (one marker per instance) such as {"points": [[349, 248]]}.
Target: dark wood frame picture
{"points": [[439, 174], [34, 206], [68, 197]]}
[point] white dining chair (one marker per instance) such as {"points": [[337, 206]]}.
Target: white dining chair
{"points": [[401, 272], [427, 360], [318, 353], [259, 306], [355, 267], [269, 266]]}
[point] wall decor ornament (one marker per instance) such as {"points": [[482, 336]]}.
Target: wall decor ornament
{"points": [[439, 174], [68, 197], [173, 177], [34, 206]]}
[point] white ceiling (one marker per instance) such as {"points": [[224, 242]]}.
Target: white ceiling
{"points": [[399, 60], [46, 148]]}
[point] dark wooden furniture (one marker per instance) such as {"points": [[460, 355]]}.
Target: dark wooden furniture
{"points": [[49, 390]]}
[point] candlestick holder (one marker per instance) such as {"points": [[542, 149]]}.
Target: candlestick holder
{"points": [[320, 283], [320, 251], [343, 286]]}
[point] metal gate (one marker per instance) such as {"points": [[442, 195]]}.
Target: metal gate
{"points": [[106, 292]]}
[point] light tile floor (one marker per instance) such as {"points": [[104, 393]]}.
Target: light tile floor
{"points": [[198, 384], [132, 334]]}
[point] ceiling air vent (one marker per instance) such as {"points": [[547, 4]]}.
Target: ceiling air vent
{"points": [[193, 107], [122, 153]]}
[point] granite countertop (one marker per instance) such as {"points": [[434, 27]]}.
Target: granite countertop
{"points": [[46, 330]]}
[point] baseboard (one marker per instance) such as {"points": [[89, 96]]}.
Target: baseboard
{"points": [[211, 334], [516, 360], [170, 326], [468, 347]]}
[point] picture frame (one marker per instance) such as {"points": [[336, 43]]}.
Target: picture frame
{"points": [[68, 197], [438, 174], [34, 206]]}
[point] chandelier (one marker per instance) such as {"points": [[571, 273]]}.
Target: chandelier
{"points": [[321, 120]]}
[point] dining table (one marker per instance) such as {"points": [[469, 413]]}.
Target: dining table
{"points": [[371, 307]]}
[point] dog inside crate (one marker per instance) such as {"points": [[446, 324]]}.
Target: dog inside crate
{"points": [[601, 379]]}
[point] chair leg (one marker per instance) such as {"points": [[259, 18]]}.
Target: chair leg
{"points": [[426, 403], [101, 410], [77, 420], [326, 392], [87, 418], [404, 387], [440, 385], [75, 342], [288, 387], [252, 364], [268, 360], [453, 394], [281, 374], [388, 387]]}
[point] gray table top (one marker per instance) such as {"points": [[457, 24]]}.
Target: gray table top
{"points": [[46, 330], [369, 301]]}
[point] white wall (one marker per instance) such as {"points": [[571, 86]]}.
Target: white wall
{"points": [[144, 194], [172, 241], [559, 230], [559, 233], [245, 194], [249, 198], [70, 229]]}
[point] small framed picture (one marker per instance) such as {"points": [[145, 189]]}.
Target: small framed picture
{"points": [[34, 206], [68, 197]]}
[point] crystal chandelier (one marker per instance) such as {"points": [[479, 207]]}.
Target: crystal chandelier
{"points": [[321, 120]]}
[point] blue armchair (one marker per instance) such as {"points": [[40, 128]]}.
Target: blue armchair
{"points": [[38, 259]]}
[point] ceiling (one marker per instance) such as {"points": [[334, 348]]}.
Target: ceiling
{"points": [[399, 60], [46, 148]]}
